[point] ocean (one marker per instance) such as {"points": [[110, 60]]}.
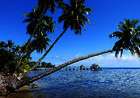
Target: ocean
{"points": [[107, 83]]}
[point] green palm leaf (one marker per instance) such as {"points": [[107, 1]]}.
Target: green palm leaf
{"points": [[128, 36]]}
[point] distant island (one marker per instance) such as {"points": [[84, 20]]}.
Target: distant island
{"points": [[92, 67], [95, 67], [43, 65]]}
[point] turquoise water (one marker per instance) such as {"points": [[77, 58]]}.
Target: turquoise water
{"points": [[108, 83]]}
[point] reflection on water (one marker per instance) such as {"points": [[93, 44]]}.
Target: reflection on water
{"points": [[108, 83]]}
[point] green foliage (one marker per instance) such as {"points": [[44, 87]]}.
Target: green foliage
{"points": [[16, 59], [45, 5], [128, 37], [32, 63], [39, 23], [39, 44], [47, 65], [25, 66], [38, 26], [74, 15], [9, 58], [9, 54]]}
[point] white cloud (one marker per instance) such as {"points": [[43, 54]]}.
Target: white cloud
{"points": [[109, 60]]}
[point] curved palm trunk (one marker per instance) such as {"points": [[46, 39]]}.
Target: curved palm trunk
{"points": [[29, 40], [75, 60], [27, 45], [56, 40], [44, 55]]}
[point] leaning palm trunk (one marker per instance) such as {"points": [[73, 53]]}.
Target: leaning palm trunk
{"points": [[56, 40], [27, 44], [44, 55], [35, 78]]}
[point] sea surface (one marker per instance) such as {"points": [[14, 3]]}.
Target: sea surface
{"points": [[107, 83]]}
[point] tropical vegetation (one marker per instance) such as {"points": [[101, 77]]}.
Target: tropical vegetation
{"points": [[16, 60]]}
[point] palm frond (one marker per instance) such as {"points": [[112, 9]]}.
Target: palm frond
{"points": [[128, 36], [74, 15]]}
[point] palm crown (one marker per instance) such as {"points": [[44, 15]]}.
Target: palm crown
{"points": [[74, 15], [128, 37], [37, 23], [38, 26]]}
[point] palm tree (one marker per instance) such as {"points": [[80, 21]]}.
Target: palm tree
{"points": [[38, 23], [75, 60], [74, 17], [39, 43], [38, 15], [128, 37], [38, 27], [45, 5]]}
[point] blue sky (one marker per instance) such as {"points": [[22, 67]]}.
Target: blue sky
{"points": [[105, 16]]}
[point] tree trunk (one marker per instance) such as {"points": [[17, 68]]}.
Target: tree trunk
{"points": [[43, 56], [7, 83], [35, 78], [27, 45], [56, 40]]}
